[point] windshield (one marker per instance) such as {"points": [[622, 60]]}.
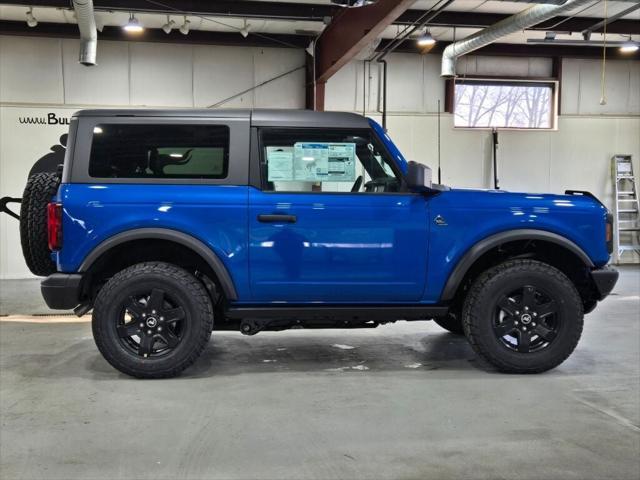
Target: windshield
{"points": [[388, 143]]}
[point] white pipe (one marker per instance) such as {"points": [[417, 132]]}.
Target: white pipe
{"points": [[88, 35], [520, 21]]}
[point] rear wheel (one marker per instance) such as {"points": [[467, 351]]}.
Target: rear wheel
{"points": [[523, 316], [152, 320], [38, 192]]}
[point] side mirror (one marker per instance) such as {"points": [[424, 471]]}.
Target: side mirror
{"points": [[418, 177]]}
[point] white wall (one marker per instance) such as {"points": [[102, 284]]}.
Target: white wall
{"points": [[41, 76], [46, 71], [575, 156]]}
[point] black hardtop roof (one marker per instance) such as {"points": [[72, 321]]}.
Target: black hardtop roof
{"points": [[258, 117]]}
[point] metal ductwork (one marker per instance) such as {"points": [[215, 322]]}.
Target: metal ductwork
{"points": [[88, 34], [520, 21]]}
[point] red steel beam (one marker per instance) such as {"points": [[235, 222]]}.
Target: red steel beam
{"points": [[351, 30]]}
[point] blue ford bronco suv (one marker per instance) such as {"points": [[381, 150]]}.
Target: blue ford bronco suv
{"points": [[170, 224]]}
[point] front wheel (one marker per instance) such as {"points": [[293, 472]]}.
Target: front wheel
{"points": [[523, 316], [152, 320]]}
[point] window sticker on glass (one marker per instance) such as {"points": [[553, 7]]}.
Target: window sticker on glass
{"points": [[280, 162], [317, 162]]}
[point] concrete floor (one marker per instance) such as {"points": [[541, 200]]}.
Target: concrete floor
{"points": [[402, 401]]}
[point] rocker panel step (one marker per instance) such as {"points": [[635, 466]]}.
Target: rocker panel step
{"points": [[377, 313]]}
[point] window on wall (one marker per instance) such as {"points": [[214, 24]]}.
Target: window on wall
{"points": [[159, 151], [323, 160], [504, 104]]}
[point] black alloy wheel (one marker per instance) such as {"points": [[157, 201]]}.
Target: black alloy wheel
{"points": [[152, 324], [526, 320]]}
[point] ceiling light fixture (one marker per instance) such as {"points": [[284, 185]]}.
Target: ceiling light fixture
{"points": [[629, 47], [133, 25], [244, 31], [184, 28], [31, 20], [426, 39], [170, 25]]}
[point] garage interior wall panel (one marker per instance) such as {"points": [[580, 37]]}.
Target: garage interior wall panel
{"points": [[339, 98], [570, 88], [46, 71], [31, 70], [285, 92], [229, 69], [110, 77], [434, 84], [503, 66], [634, 89], [405, 83], [581, 91], [161, 73]]}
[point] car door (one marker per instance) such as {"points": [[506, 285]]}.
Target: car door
{"points": [[331, 222]]}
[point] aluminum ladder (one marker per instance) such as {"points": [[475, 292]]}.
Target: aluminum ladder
{"points": [[627, 214]]}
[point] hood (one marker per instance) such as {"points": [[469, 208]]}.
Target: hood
{"points": [[571, 200]]}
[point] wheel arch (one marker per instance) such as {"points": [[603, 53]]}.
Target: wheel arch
{"points": [[185, 240], [486, 245]]}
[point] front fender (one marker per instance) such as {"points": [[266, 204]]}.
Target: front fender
{"points": [[480, 248], [470, 219]]}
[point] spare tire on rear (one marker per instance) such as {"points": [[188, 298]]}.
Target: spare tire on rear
{"points": [[41, 187]]}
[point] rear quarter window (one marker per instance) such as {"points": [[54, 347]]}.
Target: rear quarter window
{"points": [[159, 151]]}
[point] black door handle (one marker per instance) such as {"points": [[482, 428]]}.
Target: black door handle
{"points": [[276, 218]]}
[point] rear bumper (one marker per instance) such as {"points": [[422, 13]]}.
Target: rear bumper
{"points": [[61, 291], [604, 279]]}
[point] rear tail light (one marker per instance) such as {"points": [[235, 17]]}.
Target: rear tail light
{"points": [[54, 226], [609, 232]]}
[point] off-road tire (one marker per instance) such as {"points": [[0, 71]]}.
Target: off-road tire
{"points": [[179, 284], [481, 302], [38, 192], [452, 323]]}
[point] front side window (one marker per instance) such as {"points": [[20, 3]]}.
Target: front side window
{"points": [[333, 161], [504, 104], [159, 151]]}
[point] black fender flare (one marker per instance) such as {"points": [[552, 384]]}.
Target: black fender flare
{"points": [[226, 283], [486, 244]]}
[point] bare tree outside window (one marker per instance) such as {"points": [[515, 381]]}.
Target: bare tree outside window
{"points": [[508, 105]]}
